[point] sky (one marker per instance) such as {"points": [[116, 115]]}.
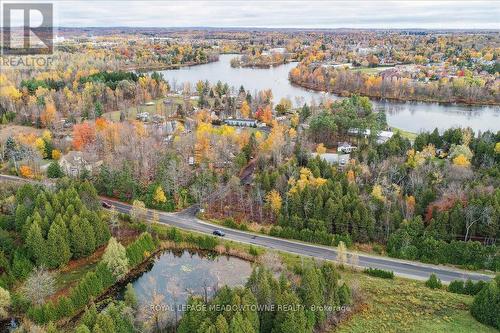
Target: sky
{"points": [[279, 14]]}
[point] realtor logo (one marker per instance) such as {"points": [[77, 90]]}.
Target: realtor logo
{"points": [[27, 28]]}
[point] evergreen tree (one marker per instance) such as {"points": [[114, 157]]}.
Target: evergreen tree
{"points": [[290, 321], [221, 325], [35, 244], [77, 238], [54, 170], [58, 249], [88, 232]]}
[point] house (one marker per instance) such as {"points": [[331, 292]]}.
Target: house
{"points": [[334, 159], [382, 136], [143, 116], [241, 122], [345, 147], [74, 163]]}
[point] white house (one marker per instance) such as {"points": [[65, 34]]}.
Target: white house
{"points": [[241, 122]]}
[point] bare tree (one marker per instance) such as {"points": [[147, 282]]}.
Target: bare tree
{"points": [[475, 214], [39, 285]]}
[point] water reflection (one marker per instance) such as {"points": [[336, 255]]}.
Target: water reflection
{"points": [[410, 116], [174, 276]]}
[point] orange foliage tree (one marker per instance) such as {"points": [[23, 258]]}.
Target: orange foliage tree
{"points": [[83, 134], [26, 171]]}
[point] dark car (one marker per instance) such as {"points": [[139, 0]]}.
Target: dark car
{"points": [[105, 204], [219, 233]]}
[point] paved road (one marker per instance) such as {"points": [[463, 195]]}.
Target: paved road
{"points": [[408, 269], [401, 268]]}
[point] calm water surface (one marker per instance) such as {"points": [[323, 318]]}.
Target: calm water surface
{"points": [[410, 116], [173, 276]]}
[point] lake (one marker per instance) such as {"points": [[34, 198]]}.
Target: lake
{"points": [[409, 116], [174, 275]]}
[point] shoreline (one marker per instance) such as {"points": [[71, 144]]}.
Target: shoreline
{"points": [[393, 99]]}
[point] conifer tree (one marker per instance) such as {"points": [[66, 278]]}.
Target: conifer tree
{"points": [[58, 249], [88, 232], [36, 244], [77, 238]]}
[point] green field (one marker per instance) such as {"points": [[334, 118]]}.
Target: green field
{"points": [[401, 305], [151, 109], [405, 134]]}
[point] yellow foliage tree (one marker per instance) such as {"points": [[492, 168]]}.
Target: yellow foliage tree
{"points": [[306, 177], [377, 193], [321, 149], [245, 109], [410, 204], [159, 196], [497, 148], [56, 154], [48, 116], [40, 146], [294, 120], [273, 200], [461, 160]]}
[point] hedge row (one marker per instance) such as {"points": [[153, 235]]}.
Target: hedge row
{"points": [[466, 288], [306, 235], [379, 273], [140, 249], [173, 234]]}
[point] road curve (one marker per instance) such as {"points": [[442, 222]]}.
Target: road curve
{"points": [[403, 268]]}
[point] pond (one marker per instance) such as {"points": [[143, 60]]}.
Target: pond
{"points": [[174, 275], [409, 116]]}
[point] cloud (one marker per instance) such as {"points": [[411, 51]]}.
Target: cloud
{"points": [[281, 14]]}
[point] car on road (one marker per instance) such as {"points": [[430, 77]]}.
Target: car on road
{"points": [[219, 233], [105, 204]]}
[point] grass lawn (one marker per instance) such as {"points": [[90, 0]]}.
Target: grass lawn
{"points": [[405, 134], [68, 278], [151, 109], [402, 305]]}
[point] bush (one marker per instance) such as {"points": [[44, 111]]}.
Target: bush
{"points": [[456, 287], [467, 288], [230, 223], [379, 273], [486, 305], [433, 282], [253, 251]]}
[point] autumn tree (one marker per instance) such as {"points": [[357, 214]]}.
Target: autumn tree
{"points": [[139, 211], [245, 109], [83, 135], [48, 116], [115, 258], [39, 286], [274, 201], [159, 196]]}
